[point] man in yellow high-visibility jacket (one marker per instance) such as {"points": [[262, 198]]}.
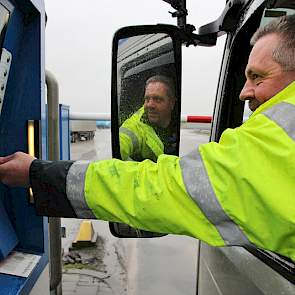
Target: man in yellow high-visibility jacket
{"points": [[151, 131], [240, 191]]}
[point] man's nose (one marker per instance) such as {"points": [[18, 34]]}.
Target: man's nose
{"points": [[150, 103], [247, 91]]}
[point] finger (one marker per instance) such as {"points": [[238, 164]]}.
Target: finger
{"points": [[6, 159], [2, 172]]}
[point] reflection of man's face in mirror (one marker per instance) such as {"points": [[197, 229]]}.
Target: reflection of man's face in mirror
{"points": [[158, 104]]}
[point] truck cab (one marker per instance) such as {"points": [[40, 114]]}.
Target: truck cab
{"points": [[236, 270]]}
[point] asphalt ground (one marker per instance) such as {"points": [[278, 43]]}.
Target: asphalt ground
{"points": [[165, 265]]}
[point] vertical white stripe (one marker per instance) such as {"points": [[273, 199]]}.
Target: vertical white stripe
{"points": [[132, 137], [75, 189]]}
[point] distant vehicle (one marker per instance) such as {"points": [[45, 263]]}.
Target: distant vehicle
{"points": [[82, 130], [103, 124]]}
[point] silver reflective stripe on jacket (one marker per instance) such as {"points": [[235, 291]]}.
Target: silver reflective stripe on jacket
{"points": [[283, 114], [132, 136], [75, 189], [199, 187]]}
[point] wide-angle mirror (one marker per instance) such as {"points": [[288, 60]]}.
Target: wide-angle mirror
{"points": [[146, 98]]}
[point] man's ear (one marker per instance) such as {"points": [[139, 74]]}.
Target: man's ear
{"points": [[172, 102]]}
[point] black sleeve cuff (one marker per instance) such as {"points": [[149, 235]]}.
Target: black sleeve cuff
{"points": [[48, 182]]}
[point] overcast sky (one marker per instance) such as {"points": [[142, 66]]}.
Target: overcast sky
{"points": [[79, 41]]}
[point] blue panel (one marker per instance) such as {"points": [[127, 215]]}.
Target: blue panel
{"points": [[64, 132], [24, 100], [10, 284], [13, 285], [8, 238]]}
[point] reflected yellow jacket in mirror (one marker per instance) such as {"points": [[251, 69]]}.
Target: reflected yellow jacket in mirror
{"points": [[138, 140]]}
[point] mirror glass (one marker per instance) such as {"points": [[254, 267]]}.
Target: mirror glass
{"points": [[147, 97]]}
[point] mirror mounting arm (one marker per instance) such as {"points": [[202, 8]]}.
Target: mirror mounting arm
{"points": [[181, 14], [189, 38], [227, 21], [186, 30], [209, 33]]}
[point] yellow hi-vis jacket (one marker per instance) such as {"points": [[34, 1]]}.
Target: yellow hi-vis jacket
{"points": [[138, 140], [240, 191]]}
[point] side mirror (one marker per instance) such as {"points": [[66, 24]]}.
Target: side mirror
{"points": [[146, 98]]}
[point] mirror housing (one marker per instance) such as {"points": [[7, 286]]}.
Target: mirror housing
{"points": [[142, 54], [121, 230]]}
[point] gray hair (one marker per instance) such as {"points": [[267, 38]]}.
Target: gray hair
{"points": [[165, 80], [284, 53]]}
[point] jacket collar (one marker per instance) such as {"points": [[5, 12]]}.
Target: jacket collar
{"points": [[279, 97]]}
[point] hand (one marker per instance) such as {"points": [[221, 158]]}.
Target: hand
{"points": [[14, 169]]}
